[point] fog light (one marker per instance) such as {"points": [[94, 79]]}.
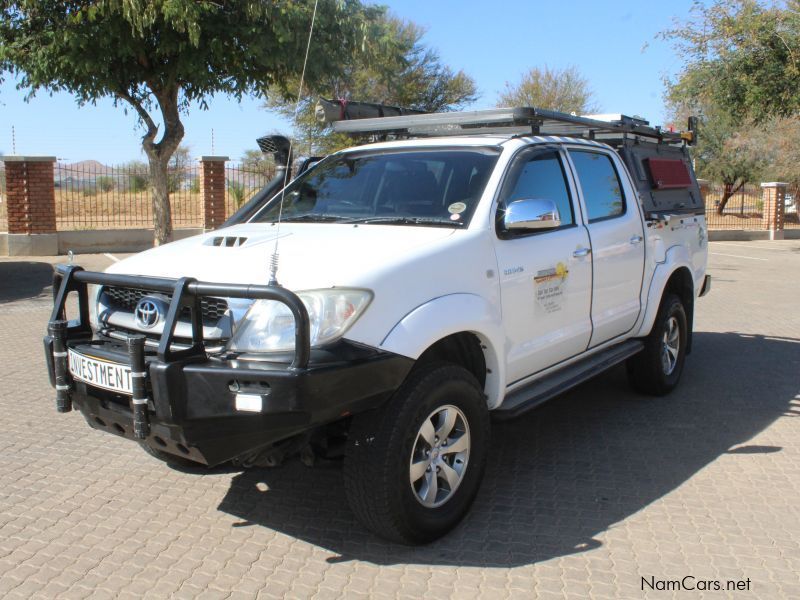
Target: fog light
{"points": [[249, 402]]}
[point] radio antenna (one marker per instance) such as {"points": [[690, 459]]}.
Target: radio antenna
{"points": [[273, 263]]}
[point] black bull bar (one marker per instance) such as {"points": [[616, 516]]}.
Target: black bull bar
{"points": [[186, 294]]}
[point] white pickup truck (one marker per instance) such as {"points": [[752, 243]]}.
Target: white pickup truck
{"points": [[477, 264]]}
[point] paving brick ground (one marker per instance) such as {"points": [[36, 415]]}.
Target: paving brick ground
{"points": [[583, 498]]}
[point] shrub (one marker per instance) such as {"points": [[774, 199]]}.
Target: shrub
{"points": [[104, 183], [138, 182], [236, 192]]}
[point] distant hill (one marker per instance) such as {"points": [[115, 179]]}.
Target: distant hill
{"points": [[88, 167]]}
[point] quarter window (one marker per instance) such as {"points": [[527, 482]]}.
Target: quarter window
{"points": [[602, 189], [542, 177]]}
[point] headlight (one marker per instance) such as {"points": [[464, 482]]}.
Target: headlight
{"points": [[93, 297], [268, 325]]}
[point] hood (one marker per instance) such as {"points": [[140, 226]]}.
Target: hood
{"points": [[312, 255]]}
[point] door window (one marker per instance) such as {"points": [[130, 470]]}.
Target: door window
{"points": [[542, 177], [602, 189]]}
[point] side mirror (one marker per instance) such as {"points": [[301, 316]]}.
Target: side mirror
{"points": [[531, 213]]}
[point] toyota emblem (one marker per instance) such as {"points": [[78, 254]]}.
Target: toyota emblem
{"points": [[147, 313]]}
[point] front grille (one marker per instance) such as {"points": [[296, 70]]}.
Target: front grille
{"points": [[212, 309]]}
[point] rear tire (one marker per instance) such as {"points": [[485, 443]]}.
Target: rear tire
{"points": [[413, 467], [657, 369]]}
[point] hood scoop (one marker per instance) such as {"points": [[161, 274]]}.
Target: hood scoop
{"points": [[226, 241]]}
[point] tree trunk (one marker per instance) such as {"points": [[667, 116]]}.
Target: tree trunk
{"points": [[159, 153], [729, 192], [162, 211]]}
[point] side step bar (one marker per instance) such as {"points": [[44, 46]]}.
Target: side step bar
{"points": [[549, 386]]}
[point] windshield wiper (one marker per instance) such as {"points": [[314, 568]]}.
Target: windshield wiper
{"points": [[408, 221], [311, 217]]}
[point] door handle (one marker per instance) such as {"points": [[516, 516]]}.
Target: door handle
{"points": [[581, 252], [636, 239]]}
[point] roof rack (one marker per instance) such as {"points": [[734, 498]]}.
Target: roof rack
{"points": [[516, 121]]}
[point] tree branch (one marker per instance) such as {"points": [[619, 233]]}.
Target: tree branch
{"points": [[148, 139]]}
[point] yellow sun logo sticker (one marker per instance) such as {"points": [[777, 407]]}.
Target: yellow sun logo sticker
{"points": [[562, 271]]}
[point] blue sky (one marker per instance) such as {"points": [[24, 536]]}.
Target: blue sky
{"points": [[613, 43]]}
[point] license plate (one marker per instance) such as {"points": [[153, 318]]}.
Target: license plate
{"points": [[100, 373]]}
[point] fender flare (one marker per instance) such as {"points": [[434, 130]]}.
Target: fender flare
{"points": [[675, 258], [446, 315]]}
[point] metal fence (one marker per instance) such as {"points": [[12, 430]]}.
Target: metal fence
{"points": [[745, 209], [90, 195], [242, 181]]}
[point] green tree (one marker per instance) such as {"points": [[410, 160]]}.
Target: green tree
{"points": [[257, 162], [741, 75], [138, 178], [741, 56], [564, 90], [160, 56], [777, 144], [179, 168], [400, 71]]}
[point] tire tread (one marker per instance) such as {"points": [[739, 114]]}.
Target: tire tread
{"points": [[371, 491]]}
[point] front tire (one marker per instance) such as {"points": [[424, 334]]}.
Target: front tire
{"points": [[657, 369], [413, 467]]}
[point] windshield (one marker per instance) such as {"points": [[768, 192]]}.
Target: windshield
{"points": [[439, 187]]}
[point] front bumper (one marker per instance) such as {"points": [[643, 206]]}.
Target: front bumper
{"points": [[191, 398]]}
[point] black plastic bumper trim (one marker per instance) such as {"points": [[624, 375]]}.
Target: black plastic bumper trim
{"points": [[706, 287]]}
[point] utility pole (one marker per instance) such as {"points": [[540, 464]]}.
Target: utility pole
{"points": [[13, 140], [212, 142]]}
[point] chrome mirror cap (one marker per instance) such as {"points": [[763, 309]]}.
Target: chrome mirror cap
{"points": [[531, 213]]}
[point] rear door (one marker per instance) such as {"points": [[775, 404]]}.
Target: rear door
{"points": [[616, 232], [545, 276]]}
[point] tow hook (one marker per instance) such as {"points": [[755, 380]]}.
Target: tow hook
{"points": [[58, 331], [141, 421]]}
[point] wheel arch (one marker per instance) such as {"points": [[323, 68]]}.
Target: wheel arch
{"points": [[461, 328], [673, 278]]}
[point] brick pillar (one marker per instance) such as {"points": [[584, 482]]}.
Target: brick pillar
{"points": [[31, 205], [773, 195], [31, 194], [212, 186]]}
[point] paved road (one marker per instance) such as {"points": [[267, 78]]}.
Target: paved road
{"points": [[584, 497]]}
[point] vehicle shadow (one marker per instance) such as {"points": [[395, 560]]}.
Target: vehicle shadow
{"points": [[559, 476], [24, 279]]}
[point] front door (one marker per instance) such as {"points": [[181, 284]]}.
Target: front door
{"points": [[617, 238], [545, 275]]}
